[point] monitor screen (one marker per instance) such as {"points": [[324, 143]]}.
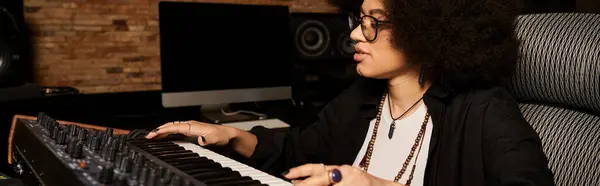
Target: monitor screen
{"points": [[206, 46]]}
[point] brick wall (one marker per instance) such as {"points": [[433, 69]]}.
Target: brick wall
{"points": [[100, 46]]}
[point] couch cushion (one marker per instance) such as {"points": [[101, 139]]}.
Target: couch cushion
{"points": [[571, 140], [560, 60]]}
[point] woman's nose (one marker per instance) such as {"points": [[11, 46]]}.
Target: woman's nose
{"points": [[356, 34]]}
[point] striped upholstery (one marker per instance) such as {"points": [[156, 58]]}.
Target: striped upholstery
{"points": [[571, 141], [558, 85], [561, 59]]}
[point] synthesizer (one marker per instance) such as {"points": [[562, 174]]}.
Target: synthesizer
{"points": [[44, 151]]}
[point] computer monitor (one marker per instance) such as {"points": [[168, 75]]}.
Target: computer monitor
{"points": [[215, 54]]}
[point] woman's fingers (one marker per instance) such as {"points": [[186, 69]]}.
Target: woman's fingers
{"points": [[149, 136], [168, 129], [202, 140], [310, 174], [152, 134], [321, 179], [207, 134], [306, 170], [169, 124]]}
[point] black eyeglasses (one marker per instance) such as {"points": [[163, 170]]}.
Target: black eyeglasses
{"points": [[368, 24]]}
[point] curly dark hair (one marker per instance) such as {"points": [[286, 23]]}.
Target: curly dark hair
{"points": [[458, 43]]}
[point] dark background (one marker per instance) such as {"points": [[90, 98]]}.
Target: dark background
{"points": [[134, 110], [191, 51]]}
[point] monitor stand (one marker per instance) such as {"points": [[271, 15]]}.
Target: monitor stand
{"points": [[214, 115]]}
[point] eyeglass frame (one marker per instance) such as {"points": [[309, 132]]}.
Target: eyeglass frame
{"points": [[358, 19]]}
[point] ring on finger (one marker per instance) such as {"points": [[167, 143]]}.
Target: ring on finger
{"points": [[335, 176]]}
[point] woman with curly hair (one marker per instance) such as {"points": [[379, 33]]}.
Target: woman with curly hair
{"points": [[429, 108]]}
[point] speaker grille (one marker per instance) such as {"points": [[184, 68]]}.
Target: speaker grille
{"points": [[322, 36], [312, 38]]}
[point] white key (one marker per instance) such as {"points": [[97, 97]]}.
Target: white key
{"points": [[244, 170]]}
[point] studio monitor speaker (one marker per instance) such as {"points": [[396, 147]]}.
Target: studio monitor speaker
{"points": [[323, 56], [320, 36], [13, 44]]}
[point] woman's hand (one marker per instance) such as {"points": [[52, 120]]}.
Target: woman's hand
{"points": [[345, 175], [208, 134]]}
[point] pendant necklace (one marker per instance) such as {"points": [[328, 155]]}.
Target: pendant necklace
{"points": [[416, 147], [393, 125]]}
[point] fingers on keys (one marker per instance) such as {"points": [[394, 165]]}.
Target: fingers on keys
{"points": [[202, 141], [309, 174], [169, 128]]}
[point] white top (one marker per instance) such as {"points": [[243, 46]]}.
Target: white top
{"points": [[389, 154]]}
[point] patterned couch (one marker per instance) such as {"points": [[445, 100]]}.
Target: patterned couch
{"points": [[558, 86]]}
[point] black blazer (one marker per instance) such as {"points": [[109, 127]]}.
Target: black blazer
{"points": [[479, 137]]}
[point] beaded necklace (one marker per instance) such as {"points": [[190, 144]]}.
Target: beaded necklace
{"points": [[366, 160]]}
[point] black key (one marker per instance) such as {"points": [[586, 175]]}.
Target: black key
{"points": [[150, 142], [163, 149], [146, 145], [145, 141], [176, 155], [249, 184], [202, 164], [156, 145], [216, 174], [192, 167], [150, 146], [187, 162], [205, 170], [225, 180], [157, 152], [238, 183], [191, 158]]}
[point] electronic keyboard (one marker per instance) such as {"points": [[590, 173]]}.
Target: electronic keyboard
{"points": [[44, 151]]}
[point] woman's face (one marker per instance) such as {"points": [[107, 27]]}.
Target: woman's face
{"points": [[377, 58]]}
